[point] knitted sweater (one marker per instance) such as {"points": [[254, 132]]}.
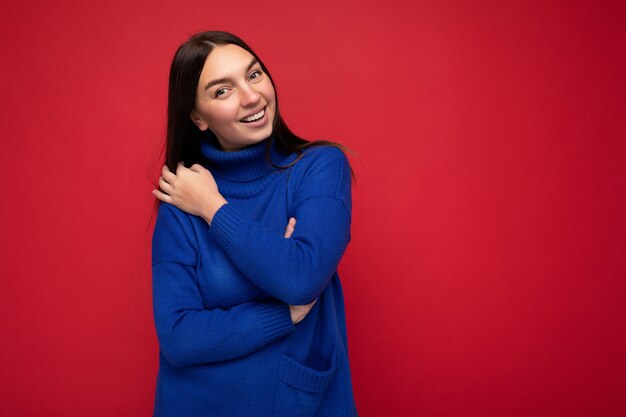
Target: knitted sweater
{"points": [[221, 293]]}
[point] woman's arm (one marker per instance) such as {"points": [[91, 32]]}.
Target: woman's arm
{"points": [[294, 270], [188, 333]]}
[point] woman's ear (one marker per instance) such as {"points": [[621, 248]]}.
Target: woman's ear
{"points": [[198, 120]]}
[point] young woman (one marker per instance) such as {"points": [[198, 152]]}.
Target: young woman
{"points": [[248, 305]]}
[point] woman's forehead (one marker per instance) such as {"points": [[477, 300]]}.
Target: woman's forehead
{"points": [[227, 61]]}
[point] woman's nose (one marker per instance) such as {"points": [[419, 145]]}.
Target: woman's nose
{"points": [[249, 96]]}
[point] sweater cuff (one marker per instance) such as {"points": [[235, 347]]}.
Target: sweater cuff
{"points": [[275, 320], [225, 224]]}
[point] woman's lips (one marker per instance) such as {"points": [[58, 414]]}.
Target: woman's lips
{"points": [[258, 122], [257, 116]]}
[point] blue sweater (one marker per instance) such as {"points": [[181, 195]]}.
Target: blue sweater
{"points": [[221, 293]]}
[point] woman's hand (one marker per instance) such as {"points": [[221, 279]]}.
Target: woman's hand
{"points": [[192, 190], [297, 312], [291, 225]]}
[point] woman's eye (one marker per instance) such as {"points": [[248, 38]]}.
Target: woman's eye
{"points": [[220, 92], [256, 74]]}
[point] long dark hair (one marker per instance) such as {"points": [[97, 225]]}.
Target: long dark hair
{"points": [[183, 136]]}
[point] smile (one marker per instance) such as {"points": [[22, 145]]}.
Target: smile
{"points": [[254, 117]]}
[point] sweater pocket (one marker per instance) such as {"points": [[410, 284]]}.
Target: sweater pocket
{"points": [[300, 388]]}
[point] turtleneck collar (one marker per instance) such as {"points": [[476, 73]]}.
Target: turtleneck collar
{"points": [[243, 165]]}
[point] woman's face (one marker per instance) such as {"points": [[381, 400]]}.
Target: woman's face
{"points": [[235, 99]]}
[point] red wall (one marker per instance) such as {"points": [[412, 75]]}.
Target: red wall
{"points": [[486, 273]]}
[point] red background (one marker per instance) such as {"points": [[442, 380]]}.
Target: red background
{"points": [[486, 273]]}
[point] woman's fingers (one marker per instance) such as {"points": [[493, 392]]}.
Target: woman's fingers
{"points": [[164, 185], [298, 313], [197, 168], [290, 227], [162, 196], [167, 174], [288, 231]]}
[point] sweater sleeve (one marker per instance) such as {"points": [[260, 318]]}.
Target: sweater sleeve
{"points": [[295, 270], [188, 332]]}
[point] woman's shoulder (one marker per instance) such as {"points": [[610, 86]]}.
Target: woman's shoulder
{"points": [[173, 238], [170, 211], [323, 170], [323, 156], [324, 151], [175, 220]]}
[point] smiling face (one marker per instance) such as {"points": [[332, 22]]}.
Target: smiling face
{"points": [[235, 99]]}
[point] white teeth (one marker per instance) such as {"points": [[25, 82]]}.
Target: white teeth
{"points": [[254, 117]]}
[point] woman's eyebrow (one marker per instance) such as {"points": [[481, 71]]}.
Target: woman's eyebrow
{"points": [[224, 79]]}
